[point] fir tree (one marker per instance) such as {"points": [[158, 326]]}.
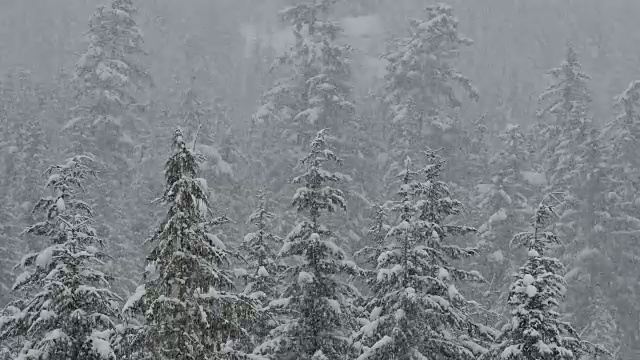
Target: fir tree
{"points": [[416, 311], [318, 303], [69, 310], [536, 330], [315, 93], [421, 82], [622, 139], [566, 100], [502, 201], [188, 296], [107, 76], [261, 282], [376, 236], [602, 327]]}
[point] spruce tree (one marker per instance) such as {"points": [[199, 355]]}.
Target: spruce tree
{"points": [[318, 302], [108, 77], [376, 235], [536, 330], [421, 83], [416, 311], [68, 311], [563, 137], [261, 275], [502, 201], [314, 91], [188, 298], [622, 139]]}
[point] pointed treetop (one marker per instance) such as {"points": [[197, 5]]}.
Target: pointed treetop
{"points": [[539, 240]]}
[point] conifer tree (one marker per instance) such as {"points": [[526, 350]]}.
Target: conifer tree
{"points": [[503, 202], [107, 76], [188, 297], [622, 139], [421, 83], [315, 93], [261, 277], [602, 327], [68, 311], [318, 303], [536, 330], [376, 236], [416, 311], [564, 136]]}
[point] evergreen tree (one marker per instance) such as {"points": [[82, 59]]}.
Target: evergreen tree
{"points": [[421, 83], [416, 311], [622, 139], [315, 93], [261, 277], [503, 205], [564, 137], [318, 303], [376, 236], [188, 296], [536, 330], [69, 310], [602, 327], [108, 76]]}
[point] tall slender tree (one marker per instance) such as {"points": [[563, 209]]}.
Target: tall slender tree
{"points": [[536, 330], [188, 297], [318, 303], [416, 310], [314, 93], [264, 267], [109, 75], [421, 83], [68, 311]]}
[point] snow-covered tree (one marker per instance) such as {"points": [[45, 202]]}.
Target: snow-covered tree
{"points": [[317, 94], [566, 99], [602, 327], [261, 275], [421, 82], [318, 302], [622, 144], [376, 236], [536, 330], [188, 296], [107, 76], [502, 201], [416, 311], [68, 311]]}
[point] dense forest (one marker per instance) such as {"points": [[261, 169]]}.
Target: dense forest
{"points": [[319, 179]]}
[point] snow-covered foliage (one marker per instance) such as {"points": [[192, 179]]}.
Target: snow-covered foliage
{"points": [[536, 329], [566, 99], [317, 303], [109, 72], [602, 327], [376, 236], [421, 82], [188, 298], [263, 267], [316, 93], [503, 205], [416, 311], [68, 311]]}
